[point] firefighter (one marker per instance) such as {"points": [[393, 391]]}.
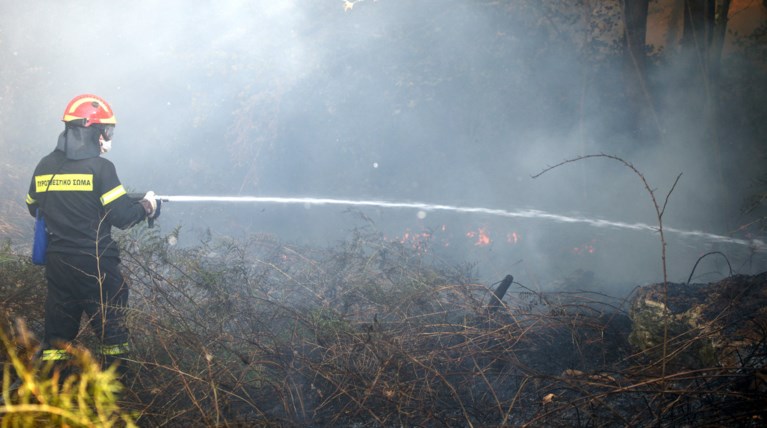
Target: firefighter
{"points": [[80, 197]]}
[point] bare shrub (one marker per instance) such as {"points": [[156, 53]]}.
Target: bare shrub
{"points": [[373, 333]]}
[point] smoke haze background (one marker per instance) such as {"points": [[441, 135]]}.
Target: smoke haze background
{"points": [[444, 102]]}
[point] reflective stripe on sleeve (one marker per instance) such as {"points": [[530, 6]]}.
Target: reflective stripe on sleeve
{"points": [[30, 200], [55, 355], [121, 348], [113, 194]]}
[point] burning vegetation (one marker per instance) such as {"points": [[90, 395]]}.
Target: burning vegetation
{"points": [[374, 332]]}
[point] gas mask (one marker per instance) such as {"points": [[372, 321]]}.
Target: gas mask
{"points": [[105, 139], [106, 145]]}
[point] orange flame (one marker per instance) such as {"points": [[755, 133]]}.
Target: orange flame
{"points": [[587, 248], [482, 238], [417, 241]]}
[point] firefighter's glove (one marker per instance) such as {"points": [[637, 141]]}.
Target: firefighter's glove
{"points": [[151, 205]]}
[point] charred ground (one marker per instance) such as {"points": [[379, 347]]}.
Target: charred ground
{"points": [[373, 333]]}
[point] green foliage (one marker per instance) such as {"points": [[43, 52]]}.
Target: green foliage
{"points": [[48, 397]]}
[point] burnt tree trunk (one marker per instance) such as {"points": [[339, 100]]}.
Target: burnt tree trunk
{"points": [[705, 27], [496, 300], [717, 42], [699, 18], [635, 63]]}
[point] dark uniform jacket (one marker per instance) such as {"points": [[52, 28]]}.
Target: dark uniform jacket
{"points": [[81, 203]]}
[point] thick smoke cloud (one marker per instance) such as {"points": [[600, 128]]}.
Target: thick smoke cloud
{"points": [[444, 102]]}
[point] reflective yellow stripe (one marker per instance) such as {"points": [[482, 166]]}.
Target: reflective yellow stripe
{"points": [[86, 99], [64, 183], [55, 355], [113, 194], [122, 348], [30, 200], [107, 120]]}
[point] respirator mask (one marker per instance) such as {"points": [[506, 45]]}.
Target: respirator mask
{"points": [[106, 146], [105, 138]]}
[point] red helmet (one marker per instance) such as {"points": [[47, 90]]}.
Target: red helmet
{"points": [[90, 109]]}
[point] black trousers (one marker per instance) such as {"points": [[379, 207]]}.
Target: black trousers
{"points": [[80, 284]]}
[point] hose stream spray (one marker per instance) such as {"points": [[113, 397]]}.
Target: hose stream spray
{"points": [[756, 245]]}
